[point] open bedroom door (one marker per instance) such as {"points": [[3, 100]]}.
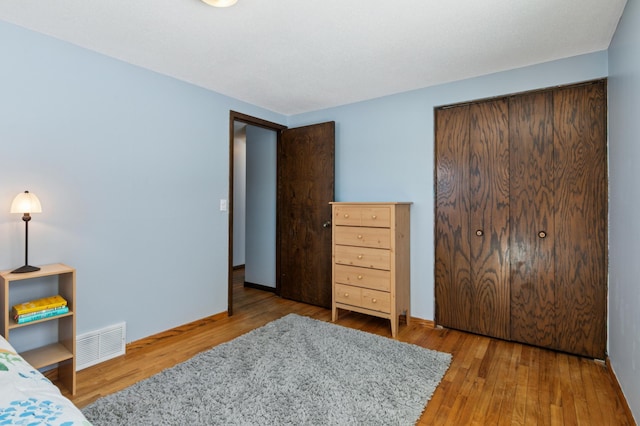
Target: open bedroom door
{"points": [[306, 177]]}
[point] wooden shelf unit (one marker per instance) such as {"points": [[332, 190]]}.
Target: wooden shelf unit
{"points": [[62, 353]]}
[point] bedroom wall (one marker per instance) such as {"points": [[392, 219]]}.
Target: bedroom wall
{"points": [[624, 196], [384, 148], [130, 166], [239, 192], [260, 240]]}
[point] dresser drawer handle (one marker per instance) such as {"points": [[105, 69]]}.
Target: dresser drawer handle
{"points": [[359, 277], [359, 237], [360, 256], [346, 295], [374, 300], [373, 216], [346, 216]]}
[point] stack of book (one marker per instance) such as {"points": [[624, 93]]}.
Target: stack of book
{"points": [[40, 309]]}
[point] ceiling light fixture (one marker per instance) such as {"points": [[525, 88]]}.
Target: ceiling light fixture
{"points": [[220, 3]]}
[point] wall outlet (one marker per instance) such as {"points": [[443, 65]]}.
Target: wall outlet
{"points": [[223, 205]]}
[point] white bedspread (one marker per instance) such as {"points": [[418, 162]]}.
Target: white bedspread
{"points": [[29, 398]]}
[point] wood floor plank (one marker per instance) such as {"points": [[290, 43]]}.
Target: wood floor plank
{"points": [[520, 405], [509, 401], [488, 373], [567, 394], [583, 413], [532, 414], [490, 382], [545, 363]]}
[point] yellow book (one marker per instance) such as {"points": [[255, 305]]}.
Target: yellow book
{"points": [[39, 305]]}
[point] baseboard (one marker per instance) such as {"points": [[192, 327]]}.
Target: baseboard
{"points": [[150, 340], [421, 322], [618, 389], [235, 268], [259, 287]]}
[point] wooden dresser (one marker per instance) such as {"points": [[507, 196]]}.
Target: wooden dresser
{"points": [[371, 265]]}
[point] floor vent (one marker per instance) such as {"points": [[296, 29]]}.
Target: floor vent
{"points": [[97, 346]]}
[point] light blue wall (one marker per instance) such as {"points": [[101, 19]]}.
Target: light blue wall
{"points": [[260, 238], [384, 149], [239, 193], [624, 156], [130, 166]]}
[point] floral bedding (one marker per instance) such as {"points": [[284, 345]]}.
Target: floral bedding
{"points": [[29, 398]]}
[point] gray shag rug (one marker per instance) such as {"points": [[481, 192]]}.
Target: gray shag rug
{"points": [[292, 371]]}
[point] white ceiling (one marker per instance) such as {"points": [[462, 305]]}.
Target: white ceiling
{"points": [[293, 56]]}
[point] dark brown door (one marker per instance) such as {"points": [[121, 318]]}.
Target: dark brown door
{"points": [[489, 216], [453, 286], [305, 188], [472, 218], [532, 202], [580, 119]]}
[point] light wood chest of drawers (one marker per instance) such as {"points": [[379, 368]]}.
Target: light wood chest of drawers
{"points": [[371, 266]]}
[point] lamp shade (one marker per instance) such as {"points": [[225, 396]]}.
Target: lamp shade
{"points": [[26, 202], [220, 3]]}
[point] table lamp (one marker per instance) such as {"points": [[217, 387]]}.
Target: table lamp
{"points": [[26, 203]]}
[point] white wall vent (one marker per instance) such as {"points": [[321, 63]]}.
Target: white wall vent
{"points": [[97, 346]]}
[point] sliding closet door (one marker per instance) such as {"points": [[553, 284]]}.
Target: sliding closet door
{"points": [[580, 119], [532, 203], [454, 290], [489, 216]]}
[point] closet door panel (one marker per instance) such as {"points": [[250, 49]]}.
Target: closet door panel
{"points": [[489, 216], [532, 219], [581, 218], [453, 287]]}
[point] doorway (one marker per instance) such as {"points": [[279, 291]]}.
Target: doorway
{"points": [[305, 177], [235, 120]]}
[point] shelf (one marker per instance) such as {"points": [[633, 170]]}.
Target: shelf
{"points": [[13, 324], [45, 271], [62, 353], [47, 355]]}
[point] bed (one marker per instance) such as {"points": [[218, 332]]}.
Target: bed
{"points": [[29, 398]]}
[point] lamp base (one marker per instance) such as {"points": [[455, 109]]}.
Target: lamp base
{"points": [[25, 268]]}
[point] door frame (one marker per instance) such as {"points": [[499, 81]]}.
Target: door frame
{"points": [[258, 122]]}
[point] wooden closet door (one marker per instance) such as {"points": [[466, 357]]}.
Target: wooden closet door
{"points": [[533, 318], [489, 217], [472, 218], [581, 218], [453, 287]]}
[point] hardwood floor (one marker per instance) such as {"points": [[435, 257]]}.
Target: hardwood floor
{"points": [[489, 382]]}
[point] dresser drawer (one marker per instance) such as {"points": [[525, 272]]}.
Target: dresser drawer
{"points": [[364, 237], [363, 256], [378, 217], [375, 279], [348, 295], [376, 300]]}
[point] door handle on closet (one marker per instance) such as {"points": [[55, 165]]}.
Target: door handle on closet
{"points": [[542, 234], [479, 232]]}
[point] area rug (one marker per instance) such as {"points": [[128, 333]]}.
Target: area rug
{"points": [[292, 371]]}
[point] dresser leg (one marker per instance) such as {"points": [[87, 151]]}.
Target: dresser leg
{"points": [[334, 314], [394, 326]]}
